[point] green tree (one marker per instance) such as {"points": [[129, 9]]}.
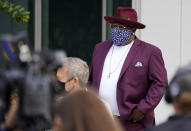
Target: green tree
{"points": [[15, 11]]}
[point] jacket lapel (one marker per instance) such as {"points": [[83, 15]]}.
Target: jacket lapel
{"points": [[130, 57], [102, 58]]}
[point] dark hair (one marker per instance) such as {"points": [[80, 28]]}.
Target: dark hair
{"points": [[180, 83], [184, 98], [84, 111], [179, 89]]}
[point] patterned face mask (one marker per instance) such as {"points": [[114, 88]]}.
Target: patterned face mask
{"points": [[119, 37]]}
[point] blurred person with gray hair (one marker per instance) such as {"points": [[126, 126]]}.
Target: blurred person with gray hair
{"points": [[74, 74]]}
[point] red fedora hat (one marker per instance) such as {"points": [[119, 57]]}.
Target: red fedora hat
{"points": [[126, 16]]}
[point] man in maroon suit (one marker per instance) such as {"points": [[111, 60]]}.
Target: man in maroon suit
{"points": [[128, 73]]}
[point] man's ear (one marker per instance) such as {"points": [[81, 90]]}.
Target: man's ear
{"points": [[76, 79], [176, 107], [76, 82], [134, 30]]}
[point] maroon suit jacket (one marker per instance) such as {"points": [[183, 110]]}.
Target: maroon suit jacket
{"points": [[140, 87]]}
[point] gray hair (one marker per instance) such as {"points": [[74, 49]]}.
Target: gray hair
{"points": [[77, 68]]}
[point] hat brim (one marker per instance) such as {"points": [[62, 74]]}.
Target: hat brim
{"points": [[135, 24]]}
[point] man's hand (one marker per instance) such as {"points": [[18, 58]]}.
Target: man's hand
{"points": [[136, 115]]}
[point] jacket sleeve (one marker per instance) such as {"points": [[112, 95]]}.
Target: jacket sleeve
{"points": [[149, 129], [157, 76]]}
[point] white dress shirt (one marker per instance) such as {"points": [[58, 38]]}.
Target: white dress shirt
{"points": [[113, 64]]}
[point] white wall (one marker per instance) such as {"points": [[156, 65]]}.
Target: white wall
{"points": [[168, 26], [186, 32]]}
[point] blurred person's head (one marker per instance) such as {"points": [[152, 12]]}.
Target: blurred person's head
{"points": [[82, 111], [74, 73], [179, 91]]}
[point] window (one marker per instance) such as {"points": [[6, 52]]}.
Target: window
{"points": [[75, 26]]}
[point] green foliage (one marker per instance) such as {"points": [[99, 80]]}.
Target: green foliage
{"points": [[16, 12]]}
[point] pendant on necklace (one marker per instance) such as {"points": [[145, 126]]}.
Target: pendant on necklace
{"points": [[109, 75]]}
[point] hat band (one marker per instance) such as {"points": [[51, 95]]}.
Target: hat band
{"points": [[124, 18]]}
